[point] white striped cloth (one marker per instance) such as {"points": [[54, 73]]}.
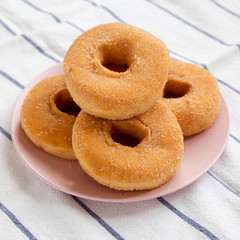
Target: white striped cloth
{"points": [[36, 34]]}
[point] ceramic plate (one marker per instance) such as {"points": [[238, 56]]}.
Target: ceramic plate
{"points": [[201, 152]]}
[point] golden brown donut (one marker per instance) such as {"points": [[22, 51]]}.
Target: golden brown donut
{"points": [[116, 71], [193, 95], [134, 154], [47, 116]]}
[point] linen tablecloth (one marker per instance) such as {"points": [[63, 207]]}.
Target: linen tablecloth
{"points": [[34, 35]]}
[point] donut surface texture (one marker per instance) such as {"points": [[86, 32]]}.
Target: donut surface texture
{"points": [[193, 95], [47, 116], [116, 71], [134, 154]]}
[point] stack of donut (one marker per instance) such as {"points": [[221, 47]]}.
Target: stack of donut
{"points": [[121, 108]]}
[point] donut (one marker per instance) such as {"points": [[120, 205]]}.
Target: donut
{"points": [[193, 95], [47, 116], [133, 154], [116, 71]]}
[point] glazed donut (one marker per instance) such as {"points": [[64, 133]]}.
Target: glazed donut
{"points": [[134, 154], [193, 95], [47, 116], [116, 71]]}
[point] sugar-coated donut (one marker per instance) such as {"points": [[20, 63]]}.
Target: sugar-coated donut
{"points": [[134, 154], [116, 71], [193, 95], [47, 116]]}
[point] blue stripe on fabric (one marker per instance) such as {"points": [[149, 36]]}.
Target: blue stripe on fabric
{"points": [[222, 82], [40, 10], [75, 26], [98, 219], [235, 138], [205, 67], [5, 133], [225, 9], [17, 223], [223, 184], [187, 59], [39, 48], [106, 9], [227, 85], [11, 79], [187, 219], [191, 25], [51, 14], [112, 13], [8, 28], [93, 3]]}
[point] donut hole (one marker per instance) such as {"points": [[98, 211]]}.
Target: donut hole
{"points": [[176, 89], [126, 140], [64, 102], [115, 56], [128, 135], [116, 67]]}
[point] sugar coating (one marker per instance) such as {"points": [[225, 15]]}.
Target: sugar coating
{"points": [[148, 165], [43, 123], [109, 94], [199, 107]]}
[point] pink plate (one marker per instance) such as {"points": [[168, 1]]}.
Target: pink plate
{"points": [[201, 152]]}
